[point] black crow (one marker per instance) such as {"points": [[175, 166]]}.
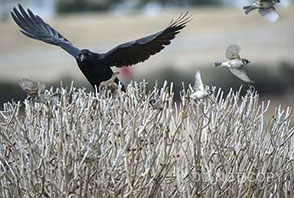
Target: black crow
{"points": [[95, 66]]}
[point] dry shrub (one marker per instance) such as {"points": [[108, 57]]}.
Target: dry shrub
{"points": [[118, 145]]}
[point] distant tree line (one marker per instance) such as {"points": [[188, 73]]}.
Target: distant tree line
{"points": [[64, 6]]}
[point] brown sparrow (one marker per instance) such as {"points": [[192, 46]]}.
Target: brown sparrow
{"points": [[35, 91], [265, 8]]}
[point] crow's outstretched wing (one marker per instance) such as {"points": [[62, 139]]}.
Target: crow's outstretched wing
{"points": [[136, 51], [34, 27]]}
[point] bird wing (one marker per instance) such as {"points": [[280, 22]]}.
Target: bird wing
{"points": [[232, 52], [34, 27], [198, 82], [29, 86], [240, 73], [270, 14], [139, 50], [41, 88], [273, 1]]}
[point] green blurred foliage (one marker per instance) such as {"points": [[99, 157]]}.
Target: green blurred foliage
{"points": [[267, 81], [204, 2], [64, 6]]}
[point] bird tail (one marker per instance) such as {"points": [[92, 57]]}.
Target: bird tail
{"points": [[248, 8], [217, 64]]}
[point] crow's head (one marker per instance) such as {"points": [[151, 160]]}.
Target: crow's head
{"points": [[85, 55]]}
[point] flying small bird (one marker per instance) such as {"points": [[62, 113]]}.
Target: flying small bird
{"points": [[97, 66], [35, 91], [266, 9], [235, 63], [200, 90]]}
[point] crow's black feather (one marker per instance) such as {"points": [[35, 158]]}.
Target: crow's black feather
{"points": [[146, 46], [34, 27], [95, 66]]}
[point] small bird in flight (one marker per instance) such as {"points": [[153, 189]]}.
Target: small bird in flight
{"points": [[97, 66], [200, 90], [235, 63], [265, 8], [35, 91]]}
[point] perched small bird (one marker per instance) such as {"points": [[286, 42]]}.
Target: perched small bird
{"points": [[265, 8], [110, 84], [35, 91], [97, 66], [235, 63], [157, 104], [200, 90]]}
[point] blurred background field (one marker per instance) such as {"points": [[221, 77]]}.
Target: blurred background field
{"points": [[101, 25]]}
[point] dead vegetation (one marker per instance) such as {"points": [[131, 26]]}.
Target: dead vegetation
{"points": [[119, 145]]}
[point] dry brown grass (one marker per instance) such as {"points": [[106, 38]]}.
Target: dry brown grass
{"points": [[118, 145]]}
